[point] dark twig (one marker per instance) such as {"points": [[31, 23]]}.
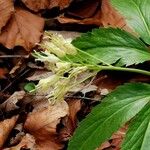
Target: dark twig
{"points": [[18, 77], [14, 56]]}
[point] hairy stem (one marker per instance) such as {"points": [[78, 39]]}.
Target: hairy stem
{"points": [[100, 68], [124, 69]]}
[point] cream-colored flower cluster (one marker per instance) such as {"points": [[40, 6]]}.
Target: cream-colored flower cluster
{"points": [[66, 75]]}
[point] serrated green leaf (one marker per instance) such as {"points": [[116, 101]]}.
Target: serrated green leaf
{"points": [[137, 15], [138, 134], [111, 45], [106, 118]]}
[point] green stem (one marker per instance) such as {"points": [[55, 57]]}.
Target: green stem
{"points": [[124, 69], [99, 68]]}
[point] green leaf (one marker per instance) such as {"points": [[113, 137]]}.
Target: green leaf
{"points": [[29, 87], [106, 118], [111, 45], [138, 134], [137, 15]]}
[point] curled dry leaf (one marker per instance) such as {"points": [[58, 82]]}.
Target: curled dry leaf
{"points": [[5, 128], [37, 5], [10, 103], [70, 122], [24, 29], [95, 20], [6, 10], [105, 16], [74, 108], [89, 13], [42, 125], [27, 142], [18, 134], [84, 9]]}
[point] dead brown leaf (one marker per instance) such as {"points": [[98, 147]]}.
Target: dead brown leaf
{"points": [[108, 82], [104, 146], [95, 20], [27, 142], [84, 9], [89, 14], [115, 141], [59, 3], [24, 29], [74, 108], [39, 74], [42, 125], [5, 128], [10, 103], [37, 5], [70, 122], [117, 137], [6, 10], [105, 16], [19, 134], [110, 17]]}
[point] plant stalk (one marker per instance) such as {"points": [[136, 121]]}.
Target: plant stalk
{"points": [[124, 69]]}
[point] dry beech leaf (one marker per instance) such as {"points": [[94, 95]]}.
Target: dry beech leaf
{"points": [[63, 3], [5, 128], [27, 142], [104, 16], [59, 3], [6, 10], [37, 5], [74, 108], [18, 135], [10, 103], [110, 17], [95, 20], [24, 29], [70, 122], [89, 14], [42, 125], [84, 9], [39, 74]]}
